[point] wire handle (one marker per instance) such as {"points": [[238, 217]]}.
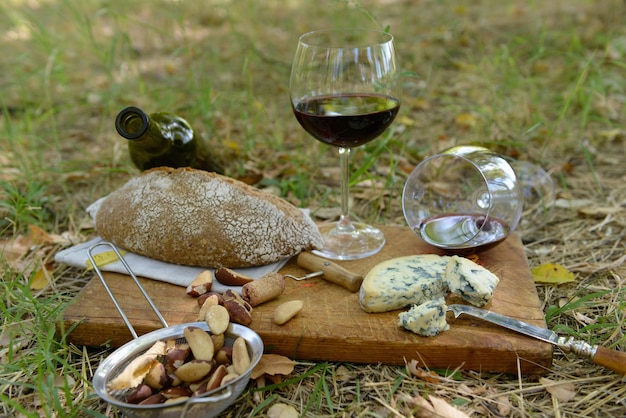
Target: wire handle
{"points": [[110, 293]]}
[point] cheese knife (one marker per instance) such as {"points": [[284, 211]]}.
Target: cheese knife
{"points": [[602, 356]]}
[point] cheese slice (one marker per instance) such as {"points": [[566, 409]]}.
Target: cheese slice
{"points": [[469, 280], [403, 281], [427, 319]]}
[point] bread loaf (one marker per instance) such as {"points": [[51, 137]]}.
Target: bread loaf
{"points": [[197, 218]]}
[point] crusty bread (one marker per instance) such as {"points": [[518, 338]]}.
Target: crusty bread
{"points": [[196, 218]]}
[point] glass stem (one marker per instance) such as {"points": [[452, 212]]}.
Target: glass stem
{"points": [[345, 224]]}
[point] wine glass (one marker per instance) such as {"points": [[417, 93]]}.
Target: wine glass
{"points": [[344, 92], [466, 199], [539, 195]]}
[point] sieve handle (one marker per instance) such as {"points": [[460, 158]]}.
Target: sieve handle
{"points": [[110, 293]]}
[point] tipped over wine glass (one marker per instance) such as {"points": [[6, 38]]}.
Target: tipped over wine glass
{"points": [[344, 92], [464, 200]]}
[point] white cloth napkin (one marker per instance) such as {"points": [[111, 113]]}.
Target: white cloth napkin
{"points": [[141, 266]]}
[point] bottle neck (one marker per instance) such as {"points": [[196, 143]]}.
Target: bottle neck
{"points": [[132, 123]]}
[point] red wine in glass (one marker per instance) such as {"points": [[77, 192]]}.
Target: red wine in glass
{"points": [[347, 120], [460, 231]]}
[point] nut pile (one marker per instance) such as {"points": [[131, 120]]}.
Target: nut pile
{"points": [[182, 369], [239, 307], [177, 369], [236, 308]]}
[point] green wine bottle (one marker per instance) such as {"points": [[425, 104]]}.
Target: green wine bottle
{"points": [[162, 139]]}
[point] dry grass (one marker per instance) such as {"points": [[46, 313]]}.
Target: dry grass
{"points": [[537, 81]]}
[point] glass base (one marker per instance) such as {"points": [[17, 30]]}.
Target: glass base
{"points": [[341, 243]]}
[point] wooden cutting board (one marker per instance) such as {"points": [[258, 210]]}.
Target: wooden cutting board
{"points": [[332, 326]]}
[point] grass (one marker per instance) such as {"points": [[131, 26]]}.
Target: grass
{"points": [[537, 81], [40, 369]]}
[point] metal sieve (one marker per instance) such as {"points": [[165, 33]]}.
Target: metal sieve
{"points": [[208, 404]]}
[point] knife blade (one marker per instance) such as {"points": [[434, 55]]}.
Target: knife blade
{"points": [[602, 356]]}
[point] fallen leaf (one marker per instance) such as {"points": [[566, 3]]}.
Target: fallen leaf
{"points": [[443, 408], [40, 279], [584, 319], [552, 273], [404, 120], [275, 379], [258, 105], [466, 120], [598, 212], [504, 405], [38, 235], [251, 178], [436, 407], [230, 144], [612, 134], [466, 390], [14, 249], [418, 104], [563, 203], [425, 375], [273, 364], [343, 374], [564, 391], [281, 410]]}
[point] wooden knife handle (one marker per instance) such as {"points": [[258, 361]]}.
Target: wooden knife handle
{"points": [[611, 359], [332, 272]]}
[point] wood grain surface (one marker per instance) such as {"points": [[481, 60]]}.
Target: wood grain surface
{"points": [[332, 326]]}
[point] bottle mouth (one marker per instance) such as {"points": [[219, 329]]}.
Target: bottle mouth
{"points": [[131, 122]]}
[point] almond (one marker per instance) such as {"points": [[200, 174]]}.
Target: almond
{"points": [[217, 318], [241, 357], [200, 343], [154, 399], [216, 378], [157, 377], [202, 298], [139, 394], [176, 392], [224, 355], [232, 295], [177, 355], [218, 342], [208, 302], [238, 312], [178, 399], [194, 370], [286, 311], [230, 277], [201, 284], [229, 377]]}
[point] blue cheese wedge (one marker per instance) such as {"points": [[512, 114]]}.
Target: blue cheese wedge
{"points": [[404, 281], [413, 280], [469, 280], [427, 319]]}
